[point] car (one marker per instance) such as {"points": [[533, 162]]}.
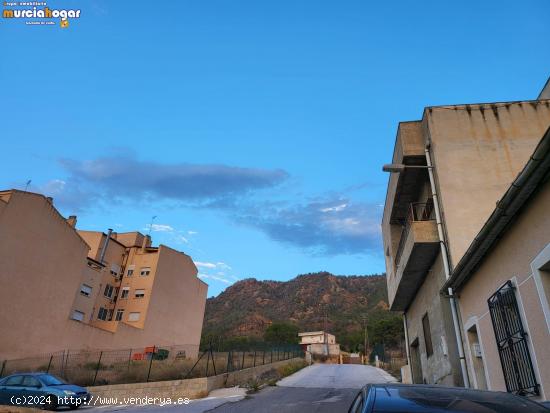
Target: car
{"points": [[41, 390], [421, 398]]}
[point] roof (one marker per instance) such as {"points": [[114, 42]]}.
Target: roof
{"points": [[533, 175], [545, 92], [312, 333]]}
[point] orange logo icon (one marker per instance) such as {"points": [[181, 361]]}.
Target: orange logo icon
{"points": [[64, 23]]}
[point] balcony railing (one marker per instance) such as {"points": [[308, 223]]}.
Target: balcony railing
{"points": [[418, 211]]}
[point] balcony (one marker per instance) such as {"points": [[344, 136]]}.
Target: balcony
{"points": [[416, 252], [403, 188]]}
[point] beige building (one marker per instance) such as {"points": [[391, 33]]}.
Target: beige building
{"points": [[319, 343], [502, 285], [68, 289], [450, 168]]}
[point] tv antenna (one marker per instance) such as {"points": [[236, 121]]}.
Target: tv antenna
{"points": [[151, 224]]}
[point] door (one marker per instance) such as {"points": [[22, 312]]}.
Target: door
{"points": [[416, 366], [512, 345], [11, 387], [32, 390]]}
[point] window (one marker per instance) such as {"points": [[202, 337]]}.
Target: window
{"points": [[110, 315], [77, 315], [102, 314], [119, 314], [133, 317], [140, 293], [145, 271], [130, 270], [13, 381], [85, 290], [512, 342], [108, 291], [30, 381], [115, 270], [125, 292], [130, 273], [427, 335]]}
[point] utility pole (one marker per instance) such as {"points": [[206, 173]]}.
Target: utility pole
{"points": [[366, 337]]}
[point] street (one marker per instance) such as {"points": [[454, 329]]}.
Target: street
{"points": [[317, 388]]}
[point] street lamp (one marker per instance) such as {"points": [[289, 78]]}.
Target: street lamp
{"points": [[399, 167]]}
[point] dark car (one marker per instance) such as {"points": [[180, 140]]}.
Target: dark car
{"points": [[41, 390], [411, 398]]}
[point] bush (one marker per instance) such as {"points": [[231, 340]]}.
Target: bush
{"points": [[291, 368]]}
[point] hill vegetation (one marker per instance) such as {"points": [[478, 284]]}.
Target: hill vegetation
{"points": [[242, 315]]}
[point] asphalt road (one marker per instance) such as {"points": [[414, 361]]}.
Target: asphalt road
{"points": [[318, 388]]}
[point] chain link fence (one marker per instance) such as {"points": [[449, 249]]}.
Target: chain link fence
{"points": [[154, 363]]}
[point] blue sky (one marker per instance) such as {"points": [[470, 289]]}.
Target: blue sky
{"points": [[254, 131]]}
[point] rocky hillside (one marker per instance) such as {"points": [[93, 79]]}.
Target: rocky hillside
{"points": [[310, 301]]}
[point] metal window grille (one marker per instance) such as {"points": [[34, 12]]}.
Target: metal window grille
{"points": [[512, 344]]}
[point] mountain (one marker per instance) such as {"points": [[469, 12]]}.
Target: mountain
{"points": [[312, 302]]}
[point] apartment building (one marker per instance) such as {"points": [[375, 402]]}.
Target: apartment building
{"points": [[502, 285], [448, 171], [64, 288]]}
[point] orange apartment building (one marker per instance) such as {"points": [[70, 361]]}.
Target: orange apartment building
{"points": [[64, 288]]}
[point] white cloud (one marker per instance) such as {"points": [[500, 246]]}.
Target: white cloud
{"points": [[161, 228], [214, 277], [223, 265], [336, 208], [192, 232], [221, 279], [205, 264]]}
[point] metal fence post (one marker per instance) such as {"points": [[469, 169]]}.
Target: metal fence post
{"points": [[228, 360], [213, 361], [254, 364], [151, 363], [3, 367], [97, 367], [271, 355], [207, 362], [49, 365], [263, 357], [129, 359], [242, 364]]}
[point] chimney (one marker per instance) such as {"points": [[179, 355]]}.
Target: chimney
{"points": [[104, 249], [49, 199], [146, 242], [71, 220]]}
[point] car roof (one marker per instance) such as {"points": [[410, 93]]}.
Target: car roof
{"points": [[437, 398]]}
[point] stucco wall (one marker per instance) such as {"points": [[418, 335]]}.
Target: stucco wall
{"points": [[478, 150], [518, 256], [36, 293], [441, 367]]}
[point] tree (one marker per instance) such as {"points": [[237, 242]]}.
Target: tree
{"points": [[388, 331], [281, 333]]}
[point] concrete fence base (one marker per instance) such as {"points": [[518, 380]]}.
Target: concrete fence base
{"points": [[190, 388]]}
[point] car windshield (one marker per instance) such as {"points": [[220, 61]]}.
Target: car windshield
{"points": [[50, 380]]}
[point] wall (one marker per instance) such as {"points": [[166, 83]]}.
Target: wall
{"points": [[41, 260], [477, 151], [519, 256], [191, 388], [442, 366]]}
